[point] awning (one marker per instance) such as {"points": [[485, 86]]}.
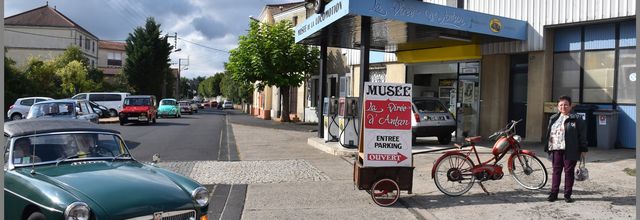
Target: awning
{"points": [[402, 25]]}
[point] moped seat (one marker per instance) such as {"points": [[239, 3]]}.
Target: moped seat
{"points": [[473, 139]]}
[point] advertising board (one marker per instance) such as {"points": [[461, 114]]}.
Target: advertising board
{"points": [[387, 125]]}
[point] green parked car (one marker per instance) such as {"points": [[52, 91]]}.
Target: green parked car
{"points": [[73, 169], [169, 107]]}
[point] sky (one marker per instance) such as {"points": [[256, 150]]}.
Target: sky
{"points": [[206, 29]]}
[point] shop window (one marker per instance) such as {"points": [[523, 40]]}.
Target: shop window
{"points": [[567, 39], [628, 34], [566, 75], [600, 36], [598, 76], [627, 76]]}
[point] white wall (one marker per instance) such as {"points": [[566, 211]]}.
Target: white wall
{"points": [[22, 42]]}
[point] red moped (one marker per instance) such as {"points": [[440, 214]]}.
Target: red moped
{"points": [[455, 172]]}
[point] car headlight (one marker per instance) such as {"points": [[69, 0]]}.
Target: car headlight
{"points": [[517, 138], [77, 211], [201, 196]]}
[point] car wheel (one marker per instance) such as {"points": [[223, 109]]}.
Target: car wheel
{"points": [[122, 122], [16, 116], [113, 113], [444, 139], [36, 216], [414, 139]]}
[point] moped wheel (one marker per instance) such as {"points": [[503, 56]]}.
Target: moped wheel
{"points": [[528, 171], [453, 175], [385, 192]]}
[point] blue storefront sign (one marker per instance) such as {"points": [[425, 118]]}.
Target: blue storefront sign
{"points": [[415, 12]]}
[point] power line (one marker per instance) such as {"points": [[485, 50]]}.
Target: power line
{"points": [[211, 48]]}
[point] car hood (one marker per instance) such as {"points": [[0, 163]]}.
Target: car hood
{"points": [[119, 189], [136, 109]]}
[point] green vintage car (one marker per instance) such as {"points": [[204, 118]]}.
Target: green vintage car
{"points": [[169, 107], [73, 169]]}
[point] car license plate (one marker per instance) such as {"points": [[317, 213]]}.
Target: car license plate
{"points": [[132, 118], [142, 118]]}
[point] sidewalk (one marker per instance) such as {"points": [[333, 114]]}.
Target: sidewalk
{"points": [[608, 194]]}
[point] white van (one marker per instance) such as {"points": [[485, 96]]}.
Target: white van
{"points": [[111, 100]]}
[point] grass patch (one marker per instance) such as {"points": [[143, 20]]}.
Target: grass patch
{"points": [[630, 172]]}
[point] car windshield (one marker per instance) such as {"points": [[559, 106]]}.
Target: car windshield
{"points": [[429, 106], [168, 102], [54, 148], [137, 101], [54, 109]]}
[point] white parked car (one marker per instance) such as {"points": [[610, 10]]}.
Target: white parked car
{"points": [[20, 108], [111, 100], [227, 105]]}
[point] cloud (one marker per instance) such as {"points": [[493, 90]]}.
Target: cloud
{"points": [[212, 23], [211, 28]]}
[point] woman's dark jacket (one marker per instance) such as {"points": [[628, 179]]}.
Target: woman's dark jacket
{"points": [[575, 136]]}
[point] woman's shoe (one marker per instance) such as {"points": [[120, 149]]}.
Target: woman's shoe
{"points": [[552, 197], [569, 199]]}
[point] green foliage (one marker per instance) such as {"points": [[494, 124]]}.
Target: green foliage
{"points": [[210, 87], [95, 75], [72, 53], [268, 56], [147, 63], [15, 83], [74, 77], [43, 79], [237, 91]]}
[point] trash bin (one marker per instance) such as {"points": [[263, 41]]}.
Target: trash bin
{"points": [[586, 111], [607, 126]]}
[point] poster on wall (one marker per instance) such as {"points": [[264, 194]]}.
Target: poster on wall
{"points": [[467, 92], [387, 125]]}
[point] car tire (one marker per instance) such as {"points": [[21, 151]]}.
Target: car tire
{"points": [[36, 216], [444, 139], [122, 122], [113, 113], [16, 116], [414, 139]]}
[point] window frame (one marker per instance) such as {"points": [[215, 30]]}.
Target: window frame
{"points": [[582, 51]]}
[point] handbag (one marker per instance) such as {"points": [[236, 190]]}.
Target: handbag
{"points": [[582, 173]]}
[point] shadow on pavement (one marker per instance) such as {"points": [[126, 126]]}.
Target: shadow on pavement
{"points": [[237, 117], [511, 197]]}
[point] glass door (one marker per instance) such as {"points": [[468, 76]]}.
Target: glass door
{"points": [[468, 103]]}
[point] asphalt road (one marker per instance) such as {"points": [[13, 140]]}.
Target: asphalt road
{"points": [[194, 137]]}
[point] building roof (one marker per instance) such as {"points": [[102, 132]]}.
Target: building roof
{"points": [[44, 16], [111, 45], [110, 71], [278, 8]]}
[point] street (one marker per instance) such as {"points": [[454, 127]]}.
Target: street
{"points": [[196, 137]]}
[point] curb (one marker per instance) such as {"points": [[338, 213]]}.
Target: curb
{"points": [[333, 148], [110, 120]]}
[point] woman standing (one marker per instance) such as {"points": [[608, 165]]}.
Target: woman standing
{"points": [[566, 143]]}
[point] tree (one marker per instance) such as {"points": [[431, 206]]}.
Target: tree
{"points": [[43, 79], [16, 84], [237, 91], [74, 78], [268, 56], [147, 65], [70, 54]]}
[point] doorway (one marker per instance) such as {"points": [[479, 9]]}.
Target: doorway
{"points": [[518, 71]]}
